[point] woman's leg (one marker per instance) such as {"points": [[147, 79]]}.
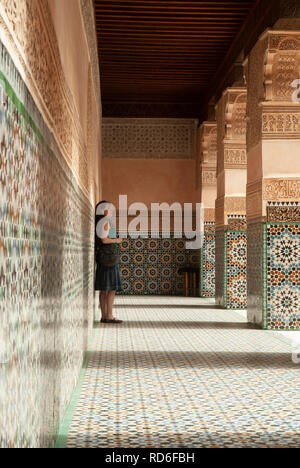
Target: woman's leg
{"points": [[109, 304], [103, 303]]}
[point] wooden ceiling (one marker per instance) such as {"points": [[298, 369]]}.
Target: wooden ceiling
{"points": [[167, 52]]}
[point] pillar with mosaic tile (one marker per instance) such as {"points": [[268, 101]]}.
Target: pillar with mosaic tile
{"points": [[273, 190], [207, 182], [231, 228]]}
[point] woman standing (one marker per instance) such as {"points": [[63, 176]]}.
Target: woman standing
{"points": [[108, 278]]}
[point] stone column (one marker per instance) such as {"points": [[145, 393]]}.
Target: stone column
{"points": [[231, 235], [208, 188], [273, 190]]}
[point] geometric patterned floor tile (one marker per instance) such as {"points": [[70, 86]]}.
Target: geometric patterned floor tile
{"points": [[179, 373]]}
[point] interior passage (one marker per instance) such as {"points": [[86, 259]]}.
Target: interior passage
{"points": [[180, 372]]}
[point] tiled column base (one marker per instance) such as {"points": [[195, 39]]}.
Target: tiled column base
{"points": [[254, 274], [231, 269], [274, 291], [235, 293], [220, 268], [208, 267]]}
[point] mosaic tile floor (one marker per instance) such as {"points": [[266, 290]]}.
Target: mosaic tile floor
{"points": [[180, 373]]}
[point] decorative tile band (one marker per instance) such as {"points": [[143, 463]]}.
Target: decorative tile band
{"points": [[235, 271], [46, 270], [237, 223], [281, 276], [283, 212], [151, 266]]}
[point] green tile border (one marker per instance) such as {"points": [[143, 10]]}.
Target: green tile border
{"points": [[63, 432], [201, 269], [64, 428]]}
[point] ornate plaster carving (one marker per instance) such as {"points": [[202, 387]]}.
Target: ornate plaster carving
{"points": [[281, 189], [236, 103], [149, 138], [229, 206], [276, 124], [208, 143], [207, 150], [29, 35], [209, 177], [235, 205], [88, 16], [235, 157], [209, 215], [281, 65], [283, 212]]}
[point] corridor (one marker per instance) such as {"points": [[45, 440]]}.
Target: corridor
{"points": [[181, 373], [149, 148]]}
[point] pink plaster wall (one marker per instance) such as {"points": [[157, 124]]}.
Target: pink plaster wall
{"points": [[150, 181]]}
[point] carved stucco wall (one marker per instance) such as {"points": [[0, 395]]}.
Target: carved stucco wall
{"points": [[37, 40], [149, 138], [206, 167], [231, 155], [273, 136]]}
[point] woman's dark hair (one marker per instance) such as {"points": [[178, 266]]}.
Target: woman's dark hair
{"points": [[97, 219]]}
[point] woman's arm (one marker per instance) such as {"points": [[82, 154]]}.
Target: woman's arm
{"points": [[106, 240]]}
